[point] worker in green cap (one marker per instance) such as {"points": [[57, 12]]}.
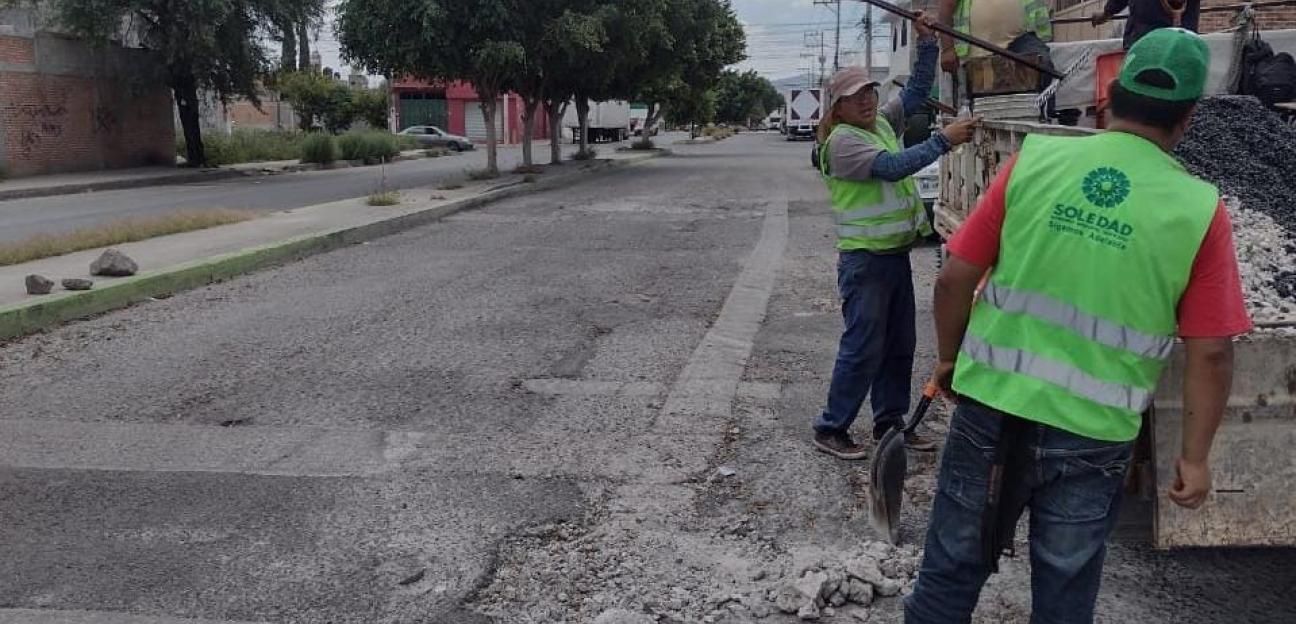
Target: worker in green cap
{"points": [[1100, 251]]}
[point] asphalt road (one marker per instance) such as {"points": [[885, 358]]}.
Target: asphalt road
{"points": [[514, 415], [23, 218]]}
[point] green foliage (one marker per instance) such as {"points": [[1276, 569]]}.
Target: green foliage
{"points": [[371, 146], [320, 101], [244, 146], [389, 198], [692, 108], [588, 153], [319, 148], [477, 175], [744, 98], [370, 105]]}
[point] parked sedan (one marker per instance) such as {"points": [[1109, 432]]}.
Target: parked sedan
{"points": [[432, 136]]}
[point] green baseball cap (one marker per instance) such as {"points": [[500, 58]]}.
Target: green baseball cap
{"points": [[1167, 64]]}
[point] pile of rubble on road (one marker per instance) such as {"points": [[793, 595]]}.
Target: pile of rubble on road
{"points": [[851, 584], [567, 573]]}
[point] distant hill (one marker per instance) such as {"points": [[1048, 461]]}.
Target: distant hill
{"points": [[799, 81]]}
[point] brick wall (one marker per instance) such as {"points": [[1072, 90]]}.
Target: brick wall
{"points": [[16, 50], [1267, 18], [63, 112]]}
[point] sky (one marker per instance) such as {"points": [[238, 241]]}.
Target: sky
{"points": [[777, 35]]}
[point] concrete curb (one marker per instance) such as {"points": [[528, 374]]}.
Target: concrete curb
{"points": [[206, 175], [27, 317]]}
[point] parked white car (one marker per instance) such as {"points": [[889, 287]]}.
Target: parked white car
{"points": [[432, 136]]}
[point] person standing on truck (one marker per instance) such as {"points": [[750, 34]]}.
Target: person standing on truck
{"points": [[879, 216], [1100, 249], [1148, 15], [1021, 26]]}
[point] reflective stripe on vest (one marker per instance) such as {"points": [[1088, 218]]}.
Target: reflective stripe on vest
{"points": [[891, 202], [1011, 360], [1099, 330], [873, 214], [1077, 319], [1035, 18]]}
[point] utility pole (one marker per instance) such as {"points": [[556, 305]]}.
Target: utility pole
{"points": [[868, 40], [836, 5], [814, 40]]}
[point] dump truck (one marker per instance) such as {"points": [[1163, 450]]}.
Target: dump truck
{"points": [[1254, 466]]}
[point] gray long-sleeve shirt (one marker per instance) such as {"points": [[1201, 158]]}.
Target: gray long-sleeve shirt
{"points": [[854, 158]]}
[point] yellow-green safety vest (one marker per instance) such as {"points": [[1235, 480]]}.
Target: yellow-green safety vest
{"points": [[1075, 323], [1036, 18], [874, 215]]}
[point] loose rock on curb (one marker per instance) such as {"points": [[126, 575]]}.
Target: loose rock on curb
{"points": [[39, 285], [78, 284], [113, 263]]}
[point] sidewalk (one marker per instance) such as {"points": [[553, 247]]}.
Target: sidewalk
{"points": [[116, 179], [188, 260]]}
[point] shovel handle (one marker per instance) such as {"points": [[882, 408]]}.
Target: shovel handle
{"points": [[929, 393]]}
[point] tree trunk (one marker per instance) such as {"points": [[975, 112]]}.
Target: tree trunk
{"points": [[489, 101], [186, 97], [303, 47], [288, 53], [650, 121], [555, 109], [529, 107], [582, 115]]}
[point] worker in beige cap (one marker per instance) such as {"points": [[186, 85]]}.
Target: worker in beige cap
{"points": [[879, 216]]}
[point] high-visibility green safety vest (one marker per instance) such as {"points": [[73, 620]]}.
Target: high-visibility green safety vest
{"points": [[873, 214], [1076, 321], [1035, 14]]}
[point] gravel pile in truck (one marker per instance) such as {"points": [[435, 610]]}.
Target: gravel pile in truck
{"points": [[1246, 150], [1266, 261]]}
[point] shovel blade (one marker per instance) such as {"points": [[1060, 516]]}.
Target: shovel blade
{"points": [[886, 484]]}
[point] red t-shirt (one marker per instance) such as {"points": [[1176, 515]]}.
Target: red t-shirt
{"points": [[1212, 306]]}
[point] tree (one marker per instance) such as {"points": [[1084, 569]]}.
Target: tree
{"points": [[745, 98], [371, 105], [693, 42], [320, 101], [473, 40], [200, 45]]}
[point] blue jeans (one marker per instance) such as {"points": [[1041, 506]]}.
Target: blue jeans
{"points": [[1072, 487], [876, 354]]}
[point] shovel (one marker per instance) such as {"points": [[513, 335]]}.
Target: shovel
{"points": [[886, 478]]}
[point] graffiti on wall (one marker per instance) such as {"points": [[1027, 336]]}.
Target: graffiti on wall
{"points": [[40, 122]]}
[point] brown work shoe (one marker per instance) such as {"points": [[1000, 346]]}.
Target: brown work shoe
{"points": [[921, 443], [840, 445]]}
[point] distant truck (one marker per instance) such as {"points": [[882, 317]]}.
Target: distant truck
{"points": [[608, 121], [804, 108]]}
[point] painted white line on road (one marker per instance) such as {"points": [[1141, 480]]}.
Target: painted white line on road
{"points": [[300, 452], [703, 393], [193, 448], [49, 616], [593, 387]]}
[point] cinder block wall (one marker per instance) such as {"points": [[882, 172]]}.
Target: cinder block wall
{"points": [[65, 106]]}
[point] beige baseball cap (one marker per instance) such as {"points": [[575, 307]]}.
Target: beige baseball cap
{"points": [[847, 82]]}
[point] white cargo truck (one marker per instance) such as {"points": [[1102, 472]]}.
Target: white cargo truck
{"points": [[804, 108], [608, 121]]}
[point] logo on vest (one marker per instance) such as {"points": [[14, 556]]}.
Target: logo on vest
{"points": [[1106, 187]]}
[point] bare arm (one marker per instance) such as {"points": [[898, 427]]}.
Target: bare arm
{"points": [[955, 289], [945, 15], [1208, 378]]}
